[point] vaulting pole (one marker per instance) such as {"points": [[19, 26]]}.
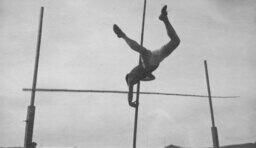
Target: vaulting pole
{"points": [[138, 85], [213, 128], [31, 109]]}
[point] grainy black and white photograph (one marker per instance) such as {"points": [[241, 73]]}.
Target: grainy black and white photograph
{"points": [[127, 73]]}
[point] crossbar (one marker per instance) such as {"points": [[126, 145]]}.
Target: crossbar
{"points": [[123, 92]]}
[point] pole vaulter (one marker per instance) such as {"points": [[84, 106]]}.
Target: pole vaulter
{"points": [[149, 60]]}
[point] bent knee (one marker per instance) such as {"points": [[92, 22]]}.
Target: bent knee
{"points": [[176, 42], [173, 44]]}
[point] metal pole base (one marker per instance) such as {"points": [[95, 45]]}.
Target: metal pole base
{"points": [[215, 138], [29, 126]]}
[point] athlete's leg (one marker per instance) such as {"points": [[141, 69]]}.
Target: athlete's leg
{"points": [[167, 49], [130, 97], [133, 44]]}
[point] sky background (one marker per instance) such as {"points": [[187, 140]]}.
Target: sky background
{"points": [[80, 51]]}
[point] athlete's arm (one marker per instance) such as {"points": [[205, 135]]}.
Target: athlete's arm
{"points": [[149, 77]]}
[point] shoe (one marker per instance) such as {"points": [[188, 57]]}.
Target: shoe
{"points": [[118, 31], [163, 14]]}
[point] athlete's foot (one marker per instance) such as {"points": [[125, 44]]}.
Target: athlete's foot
{"points": [[118, 31], [163, 14]]}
